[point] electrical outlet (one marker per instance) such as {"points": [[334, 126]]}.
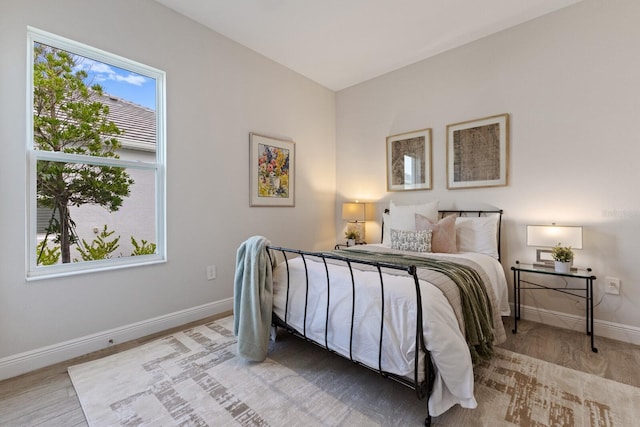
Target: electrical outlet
{"points": [[612, 285], [211, 272]]}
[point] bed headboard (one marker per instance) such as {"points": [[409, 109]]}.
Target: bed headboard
{"points": [[469, 213]]}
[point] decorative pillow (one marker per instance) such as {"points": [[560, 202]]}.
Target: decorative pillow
{"points": [[443, 237], [403, 217], [477, 234], [414, 241]]}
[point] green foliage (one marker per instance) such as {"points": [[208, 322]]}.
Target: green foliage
{"points": [[562, 253], [352, 233], [143, 248], [69, 118], [47, 255], [99, 248]]}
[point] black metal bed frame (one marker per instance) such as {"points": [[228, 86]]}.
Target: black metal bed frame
{"points": [[422, 384]]}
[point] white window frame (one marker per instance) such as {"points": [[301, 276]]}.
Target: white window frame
{"points": [[33, 271]]}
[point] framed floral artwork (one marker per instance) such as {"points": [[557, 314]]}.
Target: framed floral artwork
{"points": [[477, 153], [409, 161], [271, 171]]}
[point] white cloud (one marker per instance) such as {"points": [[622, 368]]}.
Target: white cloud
{"points": [[92, 66], [133, 79], [103, 72], [101, 68]]}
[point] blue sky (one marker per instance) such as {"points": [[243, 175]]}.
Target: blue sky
{"points": [[121, 83]]}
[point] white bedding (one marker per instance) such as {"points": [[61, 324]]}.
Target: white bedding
{"points": [[442, 335]]}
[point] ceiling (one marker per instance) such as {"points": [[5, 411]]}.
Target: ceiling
{"points": [[340, 43]]}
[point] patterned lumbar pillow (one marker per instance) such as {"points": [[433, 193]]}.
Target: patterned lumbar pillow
{"points": [[414, 241]]}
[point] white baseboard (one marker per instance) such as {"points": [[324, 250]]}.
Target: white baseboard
{"points": [[18, 364], [602, 328]]}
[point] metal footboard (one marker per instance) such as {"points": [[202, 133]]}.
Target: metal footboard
{"points": [[422, 381]]}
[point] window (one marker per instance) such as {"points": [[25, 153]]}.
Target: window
{"points": [[412, 170], [96, 145]]}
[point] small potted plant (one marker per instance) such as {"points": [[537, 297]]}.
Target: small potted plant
{"points": [[563, 257], [352, 236]]}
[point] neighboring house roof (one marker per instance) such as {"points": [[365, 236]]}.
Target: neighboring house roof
{"points": [[138, 123]]}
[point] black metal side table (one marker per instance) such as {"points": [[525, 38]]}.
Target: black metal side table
{"points": [[576, 274]]}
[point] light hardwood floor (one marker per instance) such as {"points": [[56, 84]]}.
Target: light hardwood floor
{"points": [[46, 397], [615, 360]]}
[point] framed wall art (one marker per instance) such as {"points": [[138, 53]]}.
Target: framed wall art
{"points": [[271, 171], [409, 161], [477, 152]]}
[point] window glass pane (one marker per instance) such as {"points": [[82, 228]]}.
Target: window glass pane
{"points": [[120, 226], [83, 106]]}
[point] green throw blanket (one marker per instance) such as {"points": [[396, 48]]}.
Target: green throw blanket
{"points": [[476, 306]]}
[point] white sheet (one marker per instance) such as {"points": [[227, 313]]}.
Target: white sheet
{"points": [[443, 338]]}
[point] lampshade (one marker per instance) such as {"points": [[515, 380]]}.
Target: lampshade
{"points": [[354, 212], [551, 235]]}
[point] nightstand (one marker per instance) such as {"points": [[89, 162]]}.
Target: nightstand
{"points": [[579, 274]]}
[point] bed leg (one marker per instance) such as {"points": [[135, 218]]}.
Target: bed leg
{"points": [[273, 334], [427, 421]]}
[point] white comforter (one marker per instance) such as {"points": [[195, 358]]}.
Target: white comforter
{"points": [[443, 338]]}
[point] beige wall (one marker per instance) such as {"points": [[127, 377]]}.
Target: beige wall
{"points": [[571, 84], [217, 92]]}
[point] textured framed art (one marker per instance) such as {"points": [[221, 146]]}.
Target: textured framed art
{"points": [[271, 171], [477, 152], [409, 161]]}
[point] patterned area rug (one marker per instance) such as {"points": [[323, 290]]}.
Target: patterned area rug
{"points": [[194, 378]]}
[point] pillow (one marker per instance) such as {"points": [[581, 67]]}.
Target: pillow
{"points": [[403, 217], [443, 237], [477, 234], [414, 241]]}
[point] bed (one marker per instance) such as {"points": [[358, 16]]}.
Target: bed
{"points": [[361, 303]]}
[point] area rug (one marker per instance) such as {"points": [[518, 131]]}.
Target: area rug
{"points": [[194, 378]]}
